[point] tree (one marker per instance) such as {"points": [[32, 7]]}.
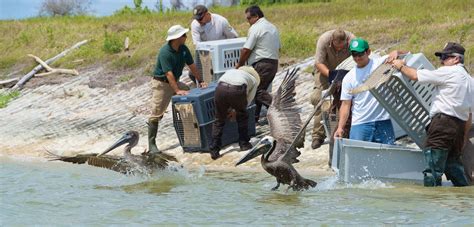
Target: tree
{"points": [[64, 7]]}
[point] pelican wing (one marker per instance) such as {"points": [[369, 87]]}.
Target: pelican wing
{"points": [[284, 118]]}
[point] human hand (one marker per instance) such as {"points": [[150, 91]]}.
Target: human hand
{"points": [[398, 64], [203, 84], [392, 56], [182, 92], [338, 133]]}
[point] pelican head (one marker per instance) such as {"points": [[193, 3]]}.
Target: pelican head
{"points": [[130, 137], [264, 146]]}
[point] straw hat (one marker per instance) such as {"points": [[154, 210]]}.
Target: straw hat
{"points": [[175, 32], [250, 70]]}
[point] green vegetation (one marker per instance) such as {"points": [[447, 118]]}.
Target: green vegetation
{"points": [[415, 25], [6, 97]]}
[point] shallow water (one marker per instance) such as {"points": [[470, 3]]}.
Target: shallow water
{"points": [[38, 192]]}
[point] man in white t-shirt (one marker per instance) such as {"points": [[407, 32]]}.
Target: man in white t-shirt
{"points": [[451, 115], [370, 121], [208, 26]]}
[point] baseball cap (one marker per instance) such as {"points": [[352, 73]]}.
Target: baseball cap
{"points": [[451, 48], [199, 11], [358, 45]]}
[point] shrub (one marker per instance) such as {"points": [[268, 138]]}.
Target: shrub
{"points": [[112, 43], [64, 7]]}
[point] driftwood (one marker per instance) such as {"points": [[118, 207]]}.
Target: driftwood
{"points": [[9, 82], [51, 70], [28, 76]]}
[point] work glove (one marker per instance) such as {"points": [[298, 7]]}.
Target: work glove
{"points": [[336, 75]]}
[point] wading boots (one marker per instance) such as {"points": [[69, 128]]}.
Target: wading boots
{"points": [[152, 130]]}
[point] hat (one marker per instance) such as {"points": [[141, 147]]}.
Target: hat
{"points": [[451, 48], [251, 71], [199, 12], [358, 45], [175, 32]]}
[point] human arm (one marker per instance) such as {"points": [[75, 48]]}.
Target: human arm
{"points": [[394, 55], [244, 56], [173, 84], [197, 74], [343, 116], [409, 72], [229, 31], [195, 32]]}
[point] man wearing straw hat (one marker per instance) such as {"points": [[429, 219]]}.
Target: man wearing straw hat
{"points": [[172, 58], [235, 91], [451, 115]]}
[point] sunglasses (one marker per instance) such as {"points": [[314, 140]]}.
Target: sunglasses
{"points": [[357, 54], [202, 17], [444, 57]]}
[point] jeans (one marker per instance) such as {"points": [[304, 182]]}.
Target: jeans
{"points": [[377, 131]]}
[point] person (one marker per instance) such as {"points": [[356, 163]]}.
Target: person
{"points": [[261, 50], [331, 49], [451, 115], [207, 26], [370, 121], [172, 57], [235, 91]]}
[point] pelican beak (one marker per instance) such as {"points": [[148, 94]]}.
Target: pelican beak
{"points": [[261, 148], [125, 139]]}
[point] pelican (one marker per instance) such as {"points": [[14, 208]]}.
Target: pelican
{"points": [[145, 163], [285, 123]]}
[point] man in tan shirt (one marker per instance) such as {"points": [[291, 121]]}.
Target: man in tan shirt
{"points": [[331, 49]]}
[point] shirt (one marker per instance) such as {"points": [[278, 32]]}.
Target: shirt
{"points": [[264, 41], [453, 94], [327, 55], [170, 60], [365, 107], [239, 77], [218, 28]]}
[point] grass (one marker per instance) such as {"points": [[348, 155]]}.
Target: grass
{"points": [[415, 25], [5, 97]]}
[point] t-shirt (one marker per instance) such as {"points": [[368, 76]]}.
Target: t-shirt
{"points": [[264, 41], [218, 28], [453, 94], [327, 55], [365, 107], [240, 77], [170, 60]]}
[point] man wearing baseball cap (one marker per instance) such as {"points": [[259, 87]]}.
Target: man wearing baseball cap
{"points": [[172, 57], [451, 115], [207, 26], [370, 121]]}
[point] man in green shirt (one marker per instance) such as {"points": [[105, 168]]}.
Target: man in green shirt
{"points": [[165, 83]]}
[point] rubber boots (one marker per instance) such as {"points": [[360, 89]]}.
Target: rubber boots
{"points": [[455, 172], [435, 161], [152, 130]]}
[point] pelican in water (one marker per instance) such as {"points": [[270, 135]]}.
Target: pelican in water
{"points": [[145, 163], [285, 123]]}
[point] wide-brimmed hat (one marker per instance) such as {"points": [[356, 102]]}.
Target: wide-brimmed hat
{"points": [[199, 11], [358, 45], [451, 48], [251, 71], [175, 32]]}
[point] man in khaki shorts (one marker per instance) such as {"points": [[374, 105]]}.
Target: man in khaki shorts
{"points": [[172, 57], [331, 49]]}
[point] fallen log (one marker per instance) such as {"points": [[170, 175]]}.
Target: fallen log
{"points": [[9, 83], [52, 70], [19, 85]]}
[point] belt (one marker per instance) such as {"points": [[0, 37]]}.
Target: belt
{"points": [[222, 83], [162, 79]]}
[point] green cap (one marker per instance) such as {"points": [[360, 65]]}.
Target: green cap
{"points": [[359, 45]]}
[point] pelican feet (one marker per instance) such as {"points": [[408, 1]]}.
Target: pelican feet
{"points": [[276, 187]]}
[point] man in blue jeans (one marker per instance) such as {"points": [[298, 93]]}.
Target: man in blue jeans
{"points": [[370, 121]]}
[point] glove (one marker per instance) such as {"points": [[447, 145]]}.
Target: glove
{"points": [[336, 75]]}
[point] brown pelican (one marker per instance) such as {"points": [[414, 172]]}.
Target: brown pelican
{"points": [[146, 163], [285, 123]]}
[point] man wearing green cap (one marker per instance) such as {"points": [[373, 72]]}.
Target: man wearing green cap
{"points": [[451, 115], [370, 121]]}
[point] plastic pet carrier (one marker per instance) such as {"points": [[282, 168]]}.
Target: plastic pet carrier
{"points": [[193, 116]]}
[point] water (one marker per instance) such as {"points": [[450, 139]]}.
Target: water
{"points": [[49, 193]]}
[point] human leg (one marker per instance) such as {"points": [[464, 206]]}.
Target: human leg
{"points": [[455, 171], [267, 70], [318, 135], [384, 132], [161, 97], [222, 106], [364, 132]]}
